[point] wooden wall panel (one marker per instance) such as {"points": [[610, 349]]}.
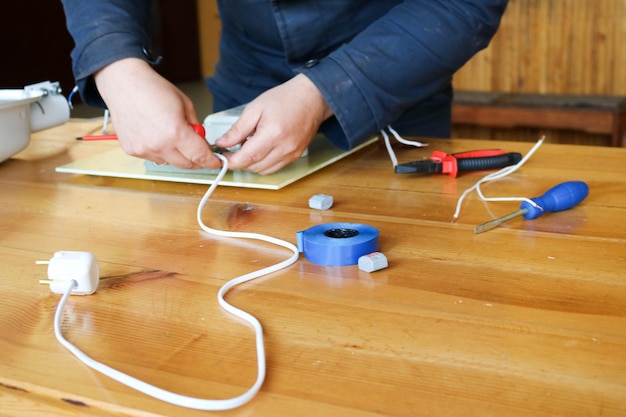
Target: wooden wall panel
{"points": [[551, 46], [210, 27], [554, 46]]}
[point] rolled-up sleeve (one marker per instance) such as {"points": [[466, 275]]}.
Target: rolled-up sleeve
{"points": [[105, 31], [401, 59]]}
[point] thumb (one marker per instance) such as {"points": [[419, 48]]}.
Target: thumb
{"points": [[243, 127]]}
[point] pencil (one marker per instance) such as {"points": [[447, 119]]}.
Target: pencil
{"points": [[110, 136]]}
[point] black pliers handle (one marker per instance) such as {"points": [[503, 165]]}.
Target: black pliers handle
{"points": [[444, 163]]}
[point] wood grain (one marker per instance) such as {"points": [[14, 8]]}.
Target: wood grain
{"points": [[551, 46], [527, 319]]}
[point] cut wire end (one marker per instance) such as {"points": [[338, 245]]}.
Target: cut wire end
{"points": [[495, 176]]}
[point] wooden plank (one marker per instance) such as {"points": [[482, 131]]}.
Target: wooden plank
{"points": [[527, 319], [587, 121]]}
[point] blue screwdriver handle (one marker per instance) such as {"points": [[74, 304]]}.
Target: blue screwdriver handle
{"points": [[560, 197]]}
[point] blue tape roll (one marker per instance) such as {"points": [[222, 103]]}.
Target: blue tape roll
{"points": [[337, 244]]}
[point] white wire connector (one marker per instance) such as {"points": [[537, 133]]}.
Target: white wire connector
{"points": [[78, 269], [373, 262], [392, 154], [321, 202], [495, 176]]}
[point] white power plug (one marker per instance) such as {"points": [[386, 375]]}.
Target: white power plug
{"points": [[79, 269]]}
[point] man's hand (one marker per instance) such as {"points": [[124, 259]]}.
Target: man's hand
{"points": [[276, 127], [152, 117]]}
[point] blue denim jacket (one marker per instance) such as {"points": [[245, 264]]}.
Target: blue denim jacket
{"points": [[377, 62]]}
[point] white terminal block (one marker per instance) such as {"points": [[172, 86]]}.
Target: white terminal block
{"points": [[373, 262], [321, 202], [67, 266], [216, 124]]}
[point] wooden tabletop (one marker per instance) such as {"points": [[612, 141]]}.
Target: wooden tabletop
{"points": [[528, 319]]}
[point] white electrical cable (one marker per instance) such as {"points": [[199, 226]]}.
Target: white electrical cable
{"points": [[182, 400], [105, 121], [490, 177], [495, 176], [405, 141], [392, 154]]}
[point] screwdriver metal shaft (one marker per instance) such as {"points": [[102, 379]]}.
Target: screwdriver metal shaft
{"points": [[492, 224]]}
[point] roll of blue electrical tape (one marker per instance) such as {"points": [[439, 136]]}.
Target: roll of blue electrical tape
{"points": [[337, 244]]}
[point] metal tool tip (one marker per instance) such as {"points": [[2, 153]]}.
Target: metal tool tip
{"points": [[487, 226], [481, 228]]}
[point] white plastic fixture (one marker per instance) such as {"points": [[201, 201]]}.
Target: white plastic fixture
{"points": [[36, 107]]}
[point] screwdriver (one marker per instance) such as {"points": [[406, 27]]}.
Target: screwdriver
{"points": [[558, 198]]}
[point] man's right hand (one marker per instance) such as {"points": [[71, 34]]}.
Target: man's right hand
{"points": [[152, 117]]}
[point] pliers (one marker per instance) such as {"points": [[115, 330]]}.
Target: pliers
{"points": [[441, 162]]}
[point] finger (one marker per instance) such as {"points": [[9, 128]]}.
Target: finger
{"points": [[250, 157], [197, 150], [178, 160], [243, 128], [269, 165], [259, 159]]}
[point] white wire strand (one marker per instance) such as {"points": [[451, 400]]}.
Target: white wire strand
{"points": [[405, 141], [495, 176], [392, 154], [178, 399]]}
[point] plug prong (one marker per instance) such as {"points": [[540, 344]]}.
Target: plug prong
{"points": [[42, 262], [50, 281]]}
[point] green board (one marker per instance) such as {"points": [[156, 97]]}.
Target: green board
{"points": [[116, 163]]}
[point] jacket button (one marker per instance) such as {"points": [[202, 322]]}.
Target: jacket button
{"points": [[311, 63], [147, 52]]}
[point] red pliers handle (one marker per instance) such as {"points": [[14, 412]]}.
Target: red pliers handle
{"points": [[445, 163]]}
